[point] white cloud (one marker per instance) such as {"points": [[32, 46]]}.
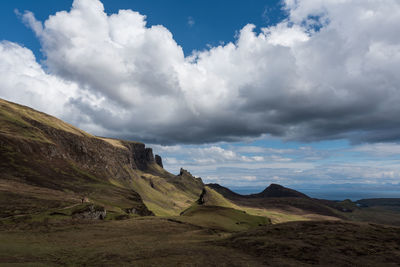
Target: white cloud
{"points": [[23, 80], [249, 177], [328, 71], [379, 149]]}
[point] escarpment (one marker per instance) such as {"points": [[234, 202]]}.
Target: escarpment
{"points": [[100, 155]]}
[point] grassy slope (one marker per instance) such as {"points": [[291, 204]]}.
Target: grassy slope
{"points": [[145, 241], [39, 186], [275, 214], [15, 120], [153, 241], [217, 212], [221, 218], [321, 243], [281, 209], [160, 196]]}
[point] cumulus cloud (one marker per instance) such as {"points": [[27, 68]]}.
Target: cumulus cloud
{"points": [[328, 71], [23, 80]]}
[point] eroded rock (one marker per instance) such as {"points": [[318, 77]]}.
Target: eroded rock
{"points": [[90, 212], [159, 161]]}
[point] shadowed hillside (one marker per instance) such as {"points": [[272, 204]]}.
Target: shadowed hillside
{"points": [[321, 244], [49, 164], [277, 197]]}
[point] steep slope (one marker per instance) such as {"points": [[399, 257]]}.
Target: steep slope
{"points": [[166, 194], [47, 164]]}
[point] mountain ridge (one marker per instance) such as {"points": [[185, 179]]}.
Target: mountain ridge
{"points": [[41, 151]]}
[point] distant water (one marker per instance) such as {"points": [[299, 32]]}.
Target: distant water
{"points": [[332, 194], [352, 195]]}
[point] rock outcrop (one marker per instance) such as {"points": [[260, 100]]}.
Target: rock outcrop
{"points": [[183, 173], [141, 156], [201, 200], [138, 211], [141, 212], [159, 161], [90, 212]]}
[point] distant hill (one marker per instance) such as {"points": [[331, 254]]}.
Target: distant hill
{"points": [[276, 190], [279, 197], [391, 202], [273, 190]]}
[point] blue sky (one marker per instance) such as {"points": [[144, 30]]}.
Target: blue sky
{"points": [[194, 24], [243, 93]]}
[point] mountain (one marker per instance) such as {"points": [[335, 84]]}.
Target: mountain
{"points": [[272, 191], [47, 164], [276, 190]]}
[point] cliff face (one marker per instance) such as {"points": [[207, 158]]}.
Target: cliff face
{"points": [[88, 152], [140, 156]]}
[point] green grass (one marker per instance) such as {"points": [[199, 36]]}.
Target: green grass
{"points": [[213, 198], [152, 241], [163, 198], [133, 242], [221, 218], [19, 116]]}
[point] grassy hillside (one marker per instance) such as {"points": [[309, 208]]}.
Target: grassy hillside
{"points": [[294, 209], [221, 218], [19, 121], [320, 244], [48, 164]]}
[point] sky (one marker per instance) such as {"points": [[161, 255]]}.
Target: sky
{"points": [[243, 93]]}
